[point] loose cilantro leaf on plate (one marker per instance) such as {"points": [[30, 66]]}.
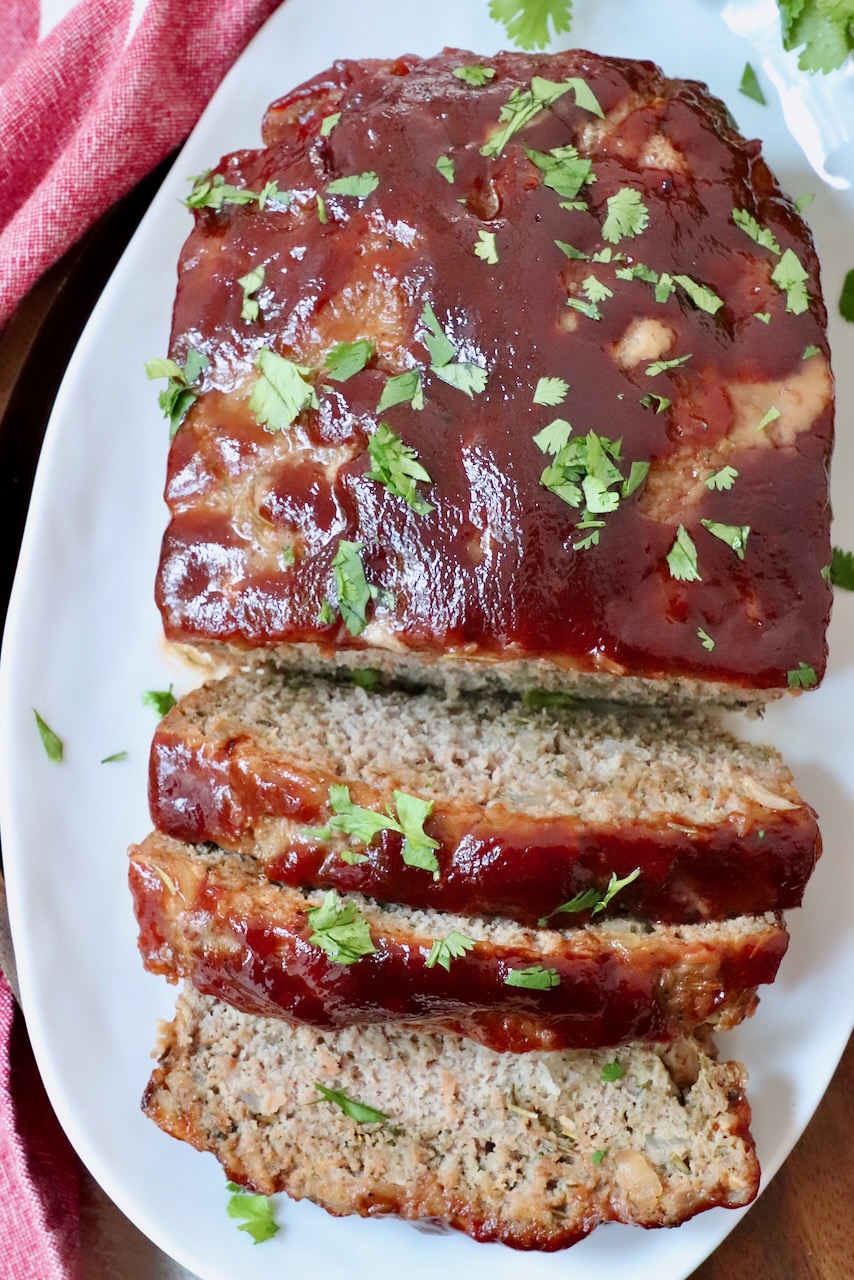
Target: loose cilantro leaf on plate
{"points": [[339, 930], [328, 124], [563, 169], [846, 297], [486, 248], [402, 388], [751, 87], [52, 744], [661, 366], [550, 391], [627, 215], [526, 22], [115, 757], [612, 1071], [357, 1111], [536, 978], [725, 478], [682, 557], [789, 276], [281, 392], [475, 75], [251, 283], [804, 201], [396, 466], [734, 535], [212, 192], [256, 1212], [825, 29], [705, 639], [524, 104], [802, 677], [445, 165], [160, 700], [444, 950], [842, 569], [181, 389], [704, 299], [347, 358], [761, 235], [356, 184]]}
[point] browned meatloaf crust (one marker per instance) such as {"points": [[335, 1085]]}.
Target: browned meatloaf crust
{"points": [[533, 1151], [530, 807], [213, 917], [603, 570]]}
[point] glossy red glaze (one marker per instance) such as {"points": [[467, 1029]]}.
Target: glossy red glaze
{"points": [[492, 573]]}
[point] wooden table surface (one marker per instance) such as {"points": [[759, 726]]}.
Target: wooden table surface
{"points": [[801, 1229]]}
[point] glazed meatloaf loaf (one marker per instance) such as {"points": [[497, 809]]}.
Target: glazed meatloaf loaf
{"points": [[504, 370], [534, 1151], [269, 949], [484, 805]]}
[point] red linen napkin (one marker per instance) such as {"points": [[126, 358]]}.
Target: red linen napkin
{"points": [[94, 106]]}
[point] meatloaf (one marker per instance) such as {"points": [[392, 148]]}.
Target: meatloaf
{"points": [[533, 1151], [527, 811], [502, 370], [272, 950]]}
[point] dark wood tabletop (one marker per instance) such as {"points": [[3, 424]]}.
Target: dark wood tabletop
{"points": [[801, 1229]]}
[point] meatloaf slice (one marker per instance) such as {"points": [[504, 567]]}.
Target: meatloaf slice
{"points": [[533, 1151], [278, 951], [531, 808], [522, 380]]}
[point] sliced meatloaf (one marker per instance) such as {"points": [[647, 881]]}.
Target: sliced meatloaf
{"points": [[517, 376], [274, 950], [533, 1151], [528, 809]]}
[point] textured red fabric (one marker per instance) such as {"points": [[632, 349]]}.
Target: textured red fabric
{"points": [[39, 1172], [87, 112]]}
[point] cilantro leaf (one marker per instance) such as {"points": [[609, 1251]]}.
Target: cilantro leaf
{"points": [[256, 1212], [825, 29], [804, 201], [396, 466], [764, 316], [280, 393], [357, 1111], [526, 22], [802, 677], [550, 391], [545, 699], [444, 950], [322, 215], [705, 639], [789, 276], [445, 165], [767, 418], [52, 744], [595, 290], [734, 535], [251, 283], [212, 192], [846, 297], [592, 899], [181, 388], [367, 678], [704, 299], [357, 184], [486, 247], [160, 700], [553, 437], [761, 235], [627, 215], [475, 75], [353, 590], [347, 358], [572, 252], [536, 978], [418, 847], [682, 558], [328, 123], [339, 930], [402, 388], [599, 1156], [661, 366], [725, 478], [441, 349], [584, 472], [588, 309], [353, 820], [809, 352], [751, 87], [612, 1071], [115, 757], [564, 171], [524, 104], [470, 378], [660, 402], [842, 569]]}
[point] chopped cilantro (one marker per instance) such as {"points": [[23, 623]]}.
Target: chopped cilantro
{"points": [[526, 22], [704, 299], [705, 639], [564, 171], [764, 316], [322, 215], [328, 123], [357, 184], [357, 1111], [524, 104], [363, 825], [661, 366], [592, 899], [347, 358], [553, 437], [287, 555], [660, 402], [612, 1071], [824, 29], [809, 352], [725, 478], [402, 388], [588, 309], [804, 201], [280, 393], [846, 297], [789, 276], [682, 558], [751, 87], [160, 700], [367, 678], [762, 235], [572, 252], [251, 283], [445, 165], [734, 535], [486, 248], [598, 1156], [52, 744], [353, 590], [475, 75], [627, 215], [396, 466], [767, 418], [256, 1212], [550, 391], [842, 569], [418, 848], [594, 290], [115, 758], [639, 271], [470, 378], [339, 930], [638, 472], [536, 978], [542, 699], [584, 473], [803, 677], [212, 192], [182, 388], [444, 950], [664, 287]]}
